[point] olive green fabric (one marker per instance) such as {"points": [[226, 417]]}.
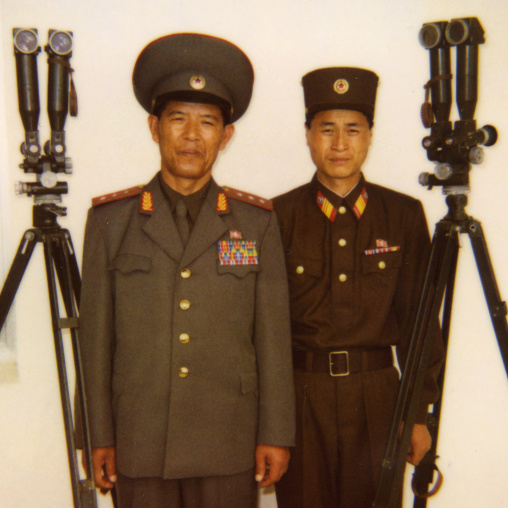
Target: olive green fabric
{"points": [[238, 391]]}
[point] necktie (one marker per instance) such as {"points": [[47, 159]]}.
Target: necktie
{"points": [[181, 221]]}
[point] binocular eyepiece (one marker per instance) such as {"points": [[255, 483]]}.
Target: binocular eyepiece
{"points": [[454, 32]]}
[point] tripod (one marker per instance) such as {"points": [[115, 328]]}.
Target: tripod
{"points": [[60, 258], [453, 149], [440, 278]]}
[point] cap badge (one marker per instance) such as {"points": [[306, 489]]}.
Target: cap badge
{"points": [[197, 82], [341, 86]]}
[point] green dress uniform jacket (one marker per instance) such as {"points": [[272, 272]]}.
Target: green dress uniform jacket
{"points": [[187, 359]]}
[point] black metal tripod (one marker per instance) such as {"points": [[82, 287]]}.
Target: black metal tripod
{"points": [[60, 258], [440, 277], [453, 149]]}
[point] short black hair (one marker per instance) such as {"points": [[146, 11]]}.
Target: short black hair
{"points": [[161, 102], [310, 117]]}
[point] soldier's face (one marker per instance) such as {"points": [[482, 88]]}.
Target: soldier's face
{"points": [[339, 141], [190, 137]]}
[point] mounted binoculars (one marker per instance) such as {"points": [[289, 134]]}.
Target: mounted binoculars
{"points": [[453, 147], [47, 190]]}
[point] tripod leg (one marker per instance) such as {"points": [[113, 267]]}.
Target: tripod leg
{"points": [[16, 272], [443, 256], [423, 475], [73, 268], [58, 324], [67, 262], [497, 308], [67, 268]]}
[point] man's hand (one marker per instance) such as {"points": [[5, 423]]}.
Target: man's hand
{"points": [[104, 467], [271, 464], [420, 444]]}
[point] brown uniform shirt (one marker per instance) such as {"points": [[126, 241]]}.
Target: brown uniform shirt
{"points": [[355, 281]]}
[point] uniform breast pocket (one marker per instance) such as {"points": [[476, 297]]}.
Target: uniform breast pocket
{"points": [[383, 264], [136, 289], [380, 275], [305, 283], [304, 269], [304, 275], [131, 273], [237, 257]]}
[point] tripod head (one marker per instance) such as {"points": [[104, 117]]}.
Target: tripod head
{"points": [[47, 191], [453, 147]]}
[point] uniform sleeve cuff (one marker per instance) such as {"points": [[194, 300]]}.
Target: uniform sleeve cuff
{"points": [[421, 416]]}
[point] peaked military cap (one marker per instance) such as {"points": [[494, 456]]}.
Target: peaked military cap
{"points": [[340, 88], [195, 65]]}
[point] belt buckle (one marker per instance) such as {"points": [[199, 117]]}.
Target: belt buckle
{"points": [[330, 361]]}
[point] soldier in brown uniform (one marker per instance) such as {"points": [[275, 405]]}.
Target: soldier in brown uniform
{"points": [[356, 255], [184, 314]]}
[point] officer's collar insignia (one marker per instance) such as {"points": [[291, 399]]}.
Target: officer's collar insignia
{"points": [[147, 202], [197, 82], [235, 235], [222, 202], [331, 212], [326, 207], [361, 203], [341, 86]]}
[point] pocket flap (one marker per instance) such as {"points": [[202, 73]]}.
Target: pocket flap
{"points": [[127, 263], [239, 271]]}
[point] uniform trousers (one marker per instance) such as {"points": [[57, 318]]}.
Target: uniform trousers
{"points": [[233, 491], [342, 428]]}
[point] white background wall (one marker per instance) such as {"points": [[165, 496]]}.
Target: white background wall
{"points": [[111, 149]]}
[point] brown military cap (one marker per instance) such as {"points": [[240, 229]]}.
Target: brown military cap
{"points": [[196, 65], [340, 88]]}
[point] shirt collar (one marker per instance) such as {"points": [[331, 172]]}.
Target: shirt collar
{"points": [[193, 201], [356, 199]]}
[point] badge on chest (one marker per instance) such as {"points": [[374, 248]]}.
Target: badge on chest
{"points": [[237, 252]]}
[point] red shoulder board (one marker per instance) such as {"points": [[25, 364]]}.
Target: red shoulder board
{"points": [[116, 196], [248, 198]]}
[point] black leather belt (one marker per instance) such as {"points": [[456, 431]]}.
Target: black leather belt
{"points": [[344, 362]]}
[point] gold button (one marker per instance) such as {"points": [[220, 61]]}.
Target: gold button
{"points": [[184, 304], [184, 338], [183, 371], [300, 269], [185, 273], [343, 277], [342, 210], [382, 265], [342, 242]]}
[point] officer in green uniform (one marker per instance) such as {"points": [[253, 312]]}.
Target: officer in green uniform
{"points": [[185, 337], [356, 255]]}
